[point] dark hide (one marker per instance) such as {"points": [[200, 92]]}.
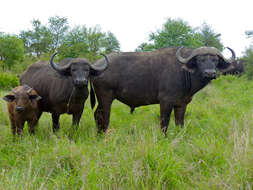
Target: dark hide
{"points": [[62, 91], [238, 68], [144, 78]]}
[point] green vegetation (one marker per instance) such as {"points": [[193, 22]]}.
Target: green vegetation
{"points": [[248, 63], [176, 33], [8, 80], [213, 151], [11, 51], [69, 42]]}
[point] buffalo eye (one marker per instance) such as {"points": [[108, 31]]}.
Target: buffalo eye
{"points": [[200, 59], [34, 97], [9, 98], [215, 60]]}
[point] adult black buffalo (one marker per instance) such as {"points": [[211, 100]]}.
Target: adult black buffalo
{"points": [[169, 77], [63, 87], [238, 68]]}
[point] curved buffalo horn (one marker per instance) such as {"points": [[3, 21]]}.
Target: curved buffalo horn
{"points": [[101, 67], [14, 91], [181, 59], [204, 50], [233, 54], [27, 88], [56, 66]]}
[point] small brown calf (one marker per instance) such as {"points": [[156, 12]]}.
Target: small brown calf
{"points": [[23, 106]]}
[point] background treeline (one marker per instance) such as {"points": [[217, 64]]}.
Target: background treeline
{"points": [[39, 42], [18, 51]]}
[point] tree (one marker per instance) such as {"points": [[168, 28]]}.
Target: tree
{"points": [[88, 42], [174, 33], [248, 63], [209, 37], [11, 50], [74, 44], [248, 57], [111, 43], [38, 40], [58, 26]]}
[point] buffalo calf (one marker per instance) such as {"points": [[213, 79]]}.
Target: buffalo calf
{"points": [[22, 107]]}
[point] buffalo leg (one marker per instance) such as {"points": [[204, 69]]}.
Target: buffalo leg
{"points": [[102, 113], [179, 112], [165, 111], [13, 127], [55, 119], [76, 119], [31, 125], [20, 127]]}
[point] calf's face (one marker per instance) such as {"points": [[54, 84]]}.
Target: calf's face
{"points": [[21, 99]]}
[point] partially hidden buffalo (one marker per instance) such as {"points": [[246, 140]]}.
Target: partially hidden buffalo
{"points": [[63, 86], [238, 68], [169, 77], [22, 107]]}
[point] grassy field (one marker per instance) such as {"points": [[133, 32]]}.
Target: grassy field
{"points": [[213, 151]]}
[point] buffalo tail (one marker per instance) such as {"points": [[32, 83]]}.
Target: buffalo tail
{"points": [[92, 96]]}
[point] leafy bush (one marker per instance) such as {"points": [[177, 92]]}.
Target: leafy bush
{"points": [[8, 81], [248, 60]]}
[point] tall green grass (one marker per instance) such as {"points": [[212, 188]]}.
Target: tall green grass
{"points": [[212, 151]]}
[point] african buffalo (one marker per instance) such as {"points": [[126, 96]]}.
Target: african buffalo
{"points": [[22, 107], [63, 87], [169, 77], [238, 68]]}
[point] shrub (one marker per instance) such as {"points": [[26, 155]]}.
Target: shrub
{"points": [[8, 81], [248, 64]]}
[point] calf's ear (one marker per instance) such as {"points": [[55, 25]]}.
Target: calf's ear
{"points": [[9, 98], [34, 97]]}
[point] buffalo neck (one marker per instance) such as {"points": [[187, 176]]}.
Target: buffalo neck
{"points": [[78, 94], [193, 82]]}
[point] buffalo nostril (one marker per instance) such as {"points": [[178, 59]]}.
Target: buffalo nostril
{"points": [[209, 74], [81, 82], [19, 109]]}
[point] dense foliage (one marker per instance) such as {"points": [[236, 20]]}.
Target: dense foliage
{"points": [[69, 42], [8, 81], [248, 63], [11, 50], [176, 33], [39, 42], [88, 42]]}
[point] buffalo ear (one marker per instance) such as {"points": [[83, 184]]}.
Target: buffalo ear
{"points": [[224, 66], [34, 97], [190, 66], [94, 73], [9, 98]]}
